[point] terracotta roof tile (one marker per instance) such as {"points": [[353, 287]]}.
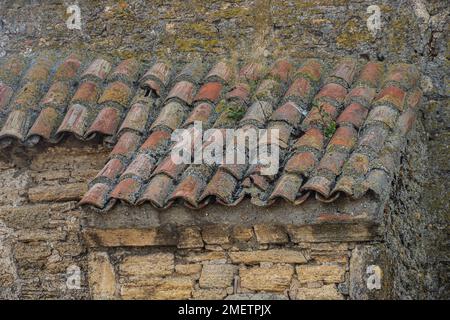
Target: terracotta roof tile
{"points": [[354, 114], [340, 131], [210, 91], [221, 71], [97, 70]]}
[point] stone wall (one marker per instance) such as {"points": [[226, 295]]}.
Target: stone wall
{"points": [[48, 252], [40, 237], [296, 271], [40, 225]]}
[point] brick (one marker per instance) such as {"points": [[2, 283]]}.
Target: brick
{"points": [[209, 294], [215, 234], [212, 257], [170, 288], [271, 255], [270, 234], [102, 279], [327, 292], [188, 269], [71, 191], [241, 233], [156, 264], [174, 288], [128, 237], [326, 273], [276, 278], [216, 276], [333, 233], [189, 238]]}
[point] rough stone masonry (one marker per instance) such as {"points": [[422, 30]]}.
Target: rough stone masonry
{"points": [[52, 249]]}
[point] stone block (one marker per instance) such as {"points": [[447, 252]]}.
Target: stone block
{"points": [[190, 237], [325, 273], [169, 288], [102, 278], [215, 234], [270, 255], [326, 292], [188, 269], [211, 257], [155, 264], [65, 192], [132, 237], [243, 234], [270, 234], [275, 279], [209, 294], [216, 276]]}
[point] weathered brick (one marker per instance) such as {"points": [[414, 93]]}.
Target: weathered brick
{"points": [[102, 279], [326, 292], [270, 234], [241, 233], [325, 273], [66, 192], [271, 255], [216, 276], [329, 232], [162, 289], [215, 234], [190, 237], [209, 294], [129, 237], [276, 278], [211, 257], [188, 269], [155, 264]]}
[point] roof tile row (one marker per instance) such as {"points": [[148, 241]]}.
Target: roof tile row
{"points": [[340, 129]]}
